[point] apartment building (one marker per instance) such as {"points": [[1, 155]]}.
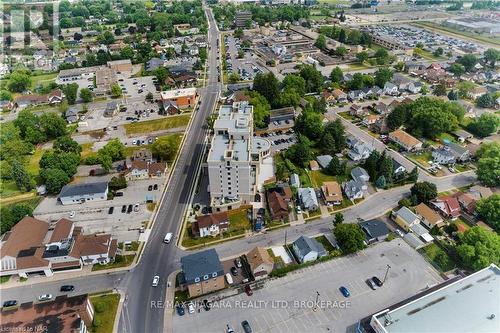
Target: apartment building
{"points": [[235, 157]]}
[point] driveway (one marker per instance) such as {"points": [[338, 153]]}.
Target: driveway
{"points": [[287, 304]]}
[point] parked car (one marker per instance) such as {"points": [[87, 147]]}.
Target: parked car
{"points": [[155, 187], [156, 280], [129, 209], [206, 305], [124, 208], [45, 297], [10, 303], [377, 281], [246, 326], [111, 209], [234, 271], [67, 288], [72, 214], [150, 187], [119, 194], [229, 329], [136, 207], [345, 291], [371, 284], [248, 290], [180, 309], [190, 307], [237, 262]]}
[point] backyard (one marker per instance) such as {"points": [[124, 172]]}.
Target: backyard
{"points": [[318, 177], [157, 124], [105, 307], [438, 257]]}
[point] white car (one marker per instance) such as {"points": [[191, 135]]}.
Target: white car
{"points": [[190, 307], [156, 280], [72, 213], [45, 297]]}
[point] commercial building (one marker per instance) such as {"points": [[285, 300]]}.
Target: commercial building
{"points": [[235, 158], [469, 304], [241, 18], [79, 193], [63, 315], [183, 98], [124, 65], [203, 272]]}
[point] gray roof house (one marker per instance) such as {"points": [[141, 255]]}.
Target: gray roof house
{"points": [[375, 230], [71, 115], [324, 160], [353, 189], [79, 193], [359, 174], [294, 180], [308, 249], [308, 198], [154, 63], [450, 153], [390, 89], [397, 168], [351, 141], [199, 265], [360, 151]]}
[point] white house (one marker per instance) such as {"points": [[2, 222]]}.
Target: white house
{"points": [[390, 89], [79, 193], [354, 190], [308, 198]]}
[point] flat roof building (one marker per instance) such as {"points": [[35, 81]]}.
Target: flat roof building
{"points": [[183, 98], [470, 304]]}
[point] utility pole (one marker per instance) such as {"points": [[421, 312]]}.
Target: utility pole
{"points": [[386, 272], [316, 303]]}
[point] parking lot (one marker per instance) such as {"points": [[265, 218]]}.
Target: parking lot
{"points": [[280, 140], [95, 216], [137, 87], [245, 67], [288, 304]]}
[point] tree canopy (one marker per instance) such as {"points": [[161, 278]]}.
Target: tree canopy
{"points": [[479, 248], [350, 237]]}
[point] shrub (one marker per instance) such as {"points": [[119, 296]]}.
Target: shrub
{"points": [[100, 307]]}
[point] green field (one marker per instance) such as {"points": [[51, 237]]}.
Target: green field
{"points": [[8, 188], [319, 177], [42, 79], [157, 124], [105, 307]]}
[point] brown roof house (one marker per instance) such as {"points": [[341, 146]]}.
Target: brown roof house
{"points": [[63, 315], [405, 140], [210, 225], [277, 206], [428, 216], [261, 263], [332, 193]]}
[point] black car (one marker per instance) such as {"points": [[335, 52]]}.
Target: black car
{"points": [[180, 310], [377, 281], [206, 305], [204, 210], [246, 326], [129, 209], [67, 288], [234, 271], [150, 187], [111, 210], [119, 194], [155, 187], [7, 304], [124, 208]]}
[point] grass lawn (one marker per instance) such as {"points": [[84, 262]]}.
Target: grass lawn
{"points": [[133, 246], [357, 66], [334, 2], [129, 151], [345, 203], [317, 17], [446, 136], [33, 164], [238, 221], [157, 124], [461, 225], [319, 177], [314, 213], [8, 188], [326, 244], [120, 261], [105, 307], [305, 180], [87, 150], [438, 257], [346, 115], [4, 279], [422, 158], [42, 79]]}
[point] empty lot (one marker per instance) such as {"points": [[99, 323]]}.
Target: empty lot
{"points": [[286, 304]]}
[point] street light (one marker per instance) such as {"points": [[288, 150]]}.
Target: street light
{"points": [[386, 272], [316, 303]]}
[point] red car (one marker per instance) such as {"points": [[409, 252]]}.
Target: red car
{"points": [[248, 290]]}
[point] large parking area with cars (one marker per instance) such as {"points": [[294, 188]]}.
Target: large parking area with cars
{"points": [[288, 304], [245, 67], [280, 139], [124, 220]]}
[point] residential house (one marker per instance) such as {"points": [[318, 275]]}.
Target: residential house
{"points": [[308, 249], [23, 101], [324, 160], [308, 198], [428, 216], [447, 206], [359, 174], [339, 95], [360, 151], [421, 232], [354, 189], [480, 192], [210, 225], [55, 97], [140, 169], [375, 230], [71, 115], [154, 63], [390, 89], [294, 180], [171, 107], [278, 208], [405, 218], [414, 87], [451, 153], [80, 193], [351, 141], [370, 120], [96, 248], [380, 126], [381, 108], [332, 193], [260, 262], [313, 165], [64, 314], [467, 203], [203, 272], [142, 154], [355, 95], [357, 111], [329, 97], [462, 135], [477, 92], [405, 140]]}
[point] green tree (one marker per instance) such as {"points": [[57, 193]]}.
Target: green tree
{"points": [[350, 237], [67, 144], [371, 164], [70, 91], [116, 91], [5, 95], [105, 160], [233, 77], [106, 37], [492, 56], [55, 179], [488, 170], [336, 167], [457, 69], [267, 85], [438, 52], [127, 53], [294, 83], [149, 97], [362, 56], [52, 125], [423, 192], [166, 147], [86, 95], [413, 175], [320, 42], [337, 76], [356, 82], [398, 117], [485, 101], [333, 138], [439, 90], [115, 149], [309, 123], [381, 182], [383, 75], [313, 78], [338, 219], [342, 36], [468, 61], [21, 177], [385, 167], [453, 95], [465, 88], [340, 51], [18, 82], [487, 124], [300, 153], [238, 33], [479, 248], [489, 210], [261, 110], [382, 56]]}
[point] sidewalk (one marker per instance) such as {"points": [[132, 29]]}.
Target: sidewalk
{"points": [[169, 303]]}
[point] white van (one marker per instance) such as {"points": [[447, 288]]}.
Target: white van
{"points": [[168, 238], [229, 279]]}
